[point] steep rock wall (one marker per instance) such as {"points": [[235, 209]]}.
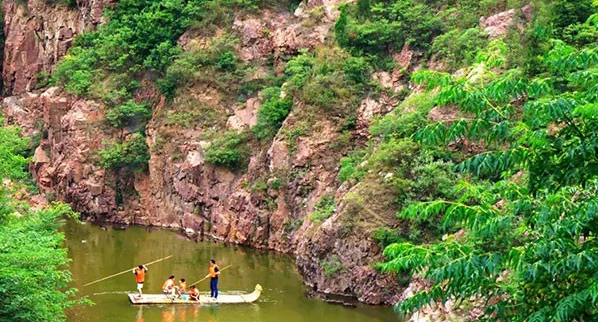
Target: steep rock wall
{"points": [[37, 35], [180, 189]]}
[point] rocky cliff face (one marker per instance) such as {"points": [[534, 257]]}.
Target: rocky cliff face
{"points": [[38, 34], [266, 206]]}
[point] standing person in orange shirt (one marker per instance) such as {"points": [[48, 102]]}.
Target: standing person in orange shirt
{"points": [[139, 272], [214, 272]]}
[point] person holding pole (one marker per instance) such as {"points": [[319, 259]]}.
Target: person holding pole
{"points": [[139, 272], [126, 271], [214, 272]]}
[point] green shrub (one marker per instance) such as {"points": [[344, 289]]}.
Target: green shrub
{"points": [[138, 34], [389, 26], [13, 148], [458, 48], [340, 28], [351, 166], [569, 12], [133, 154], [299, 69], [80, 82], [272, 113], [433, 180], [275, 184], [229, 151], [580, 35], [363, 8], [162, 56], [406, 120], [385, 236], [216, 65], [291, 225], [129, 113], [226, 61], [42, 80], [323, 209], [319, 80], [181, 71], [357, 69], [394, 154], [332, 266], [398, 126]]}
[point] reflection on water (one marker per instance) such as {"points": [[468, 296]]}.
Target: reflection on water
{"points": [[109, 251], [179, 313], [139, 317]]}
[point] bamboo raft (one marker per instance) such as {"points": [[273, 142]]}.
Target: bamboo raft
{"points": [[203, 299]]}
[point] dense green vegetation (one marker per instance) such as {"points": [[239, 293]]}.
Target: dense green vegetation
{"points": [[447, 30], [33, 275], [230, 150], [131, 154], [272, 113], [520, 225]]}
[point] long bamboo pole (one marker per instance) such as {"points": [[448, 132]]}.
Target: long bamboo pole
{"points": [[203, 279], [128, 270]]}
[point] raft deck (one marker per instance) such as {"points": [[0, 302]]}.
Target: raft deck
{"points": [[203, 299]]}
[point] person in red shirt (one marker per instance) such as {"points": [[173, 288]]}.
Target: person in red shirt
{"points": [[193, 293], [139, 272]]}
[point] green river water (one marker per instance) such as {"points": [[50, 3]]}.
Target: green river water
{"points": [[97, 253]]}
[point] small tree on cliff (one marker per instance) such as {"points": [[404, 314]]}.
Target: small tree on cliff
{"points": [[340, 28]]}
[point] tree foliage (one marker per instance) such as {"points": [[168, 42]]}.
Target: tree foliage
{"points": [[132, 154], [33, 275], [12, 151], [230, 151], [128, 113], [272, 113], [384, 26], [527, 234]]}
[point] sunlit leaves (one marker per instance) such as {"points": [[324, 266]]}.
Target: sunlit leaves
{"points": [[495, 54], [432, 79]]}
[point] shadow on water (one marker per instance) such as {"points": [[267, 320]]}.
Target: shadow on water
{"points": [[98, 252]]}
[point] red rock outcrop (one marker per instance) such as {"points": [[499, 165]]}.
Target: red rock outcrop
{"points": [[37, 35], [498, 25], [69, 136]]}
